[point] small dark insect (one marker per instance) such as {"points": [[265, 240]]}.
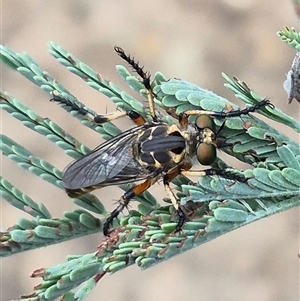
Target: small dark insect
{"points": [[149, 152]]}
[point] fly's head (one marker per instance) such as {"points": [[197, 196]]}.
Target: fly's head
{"points": [[208, 140]]}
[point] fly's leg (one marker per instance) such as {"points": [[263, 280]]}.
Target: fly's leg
{"points": [[99, 119], [125, 199], [180, 213], [135, 66], [183, 117], [175, 202], [213, 172], [73, 106], [143, 74], [137, 118], [134, 116], [194, 173]]}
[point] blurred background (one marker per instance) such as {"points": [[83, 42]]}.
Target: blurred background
{"points": [[192, 40]]}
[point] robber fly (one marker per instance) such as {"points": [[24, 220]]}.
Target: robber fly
{"points": [[149, 152]]}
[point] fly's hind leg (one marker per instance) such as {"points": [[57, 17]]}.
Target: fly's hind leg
{"points": [[134, 116], [98, 119], [124, 201], [143, 74], [230, 175], [72, 105]]}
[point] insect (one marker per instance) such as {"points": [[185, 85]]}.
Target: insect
{"points": [[150, 151]]}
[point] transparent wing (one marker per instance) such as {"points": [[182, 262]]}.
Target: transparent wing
{"points": [[110, 163]]}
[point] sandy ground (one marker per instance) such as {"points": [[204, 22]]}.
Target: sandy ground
{"points": [[193, 40]]}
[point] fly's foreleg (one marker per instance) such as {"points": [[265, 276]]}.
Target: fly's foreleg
{"points": [[181, 215], [183, 117], [124, 200], [235, 113], [190, 173]]}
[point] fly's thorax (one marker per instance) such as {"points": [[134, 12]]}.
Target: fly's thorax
{"points": [[191, 135], [160, 147], [207, 136]]}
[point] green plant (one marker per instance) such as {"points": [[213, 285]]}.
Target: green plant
{"points": [[144, 237]]}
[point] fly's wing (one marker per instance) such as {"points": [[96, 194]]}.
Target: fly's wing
{"points": [[110, 163]]}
